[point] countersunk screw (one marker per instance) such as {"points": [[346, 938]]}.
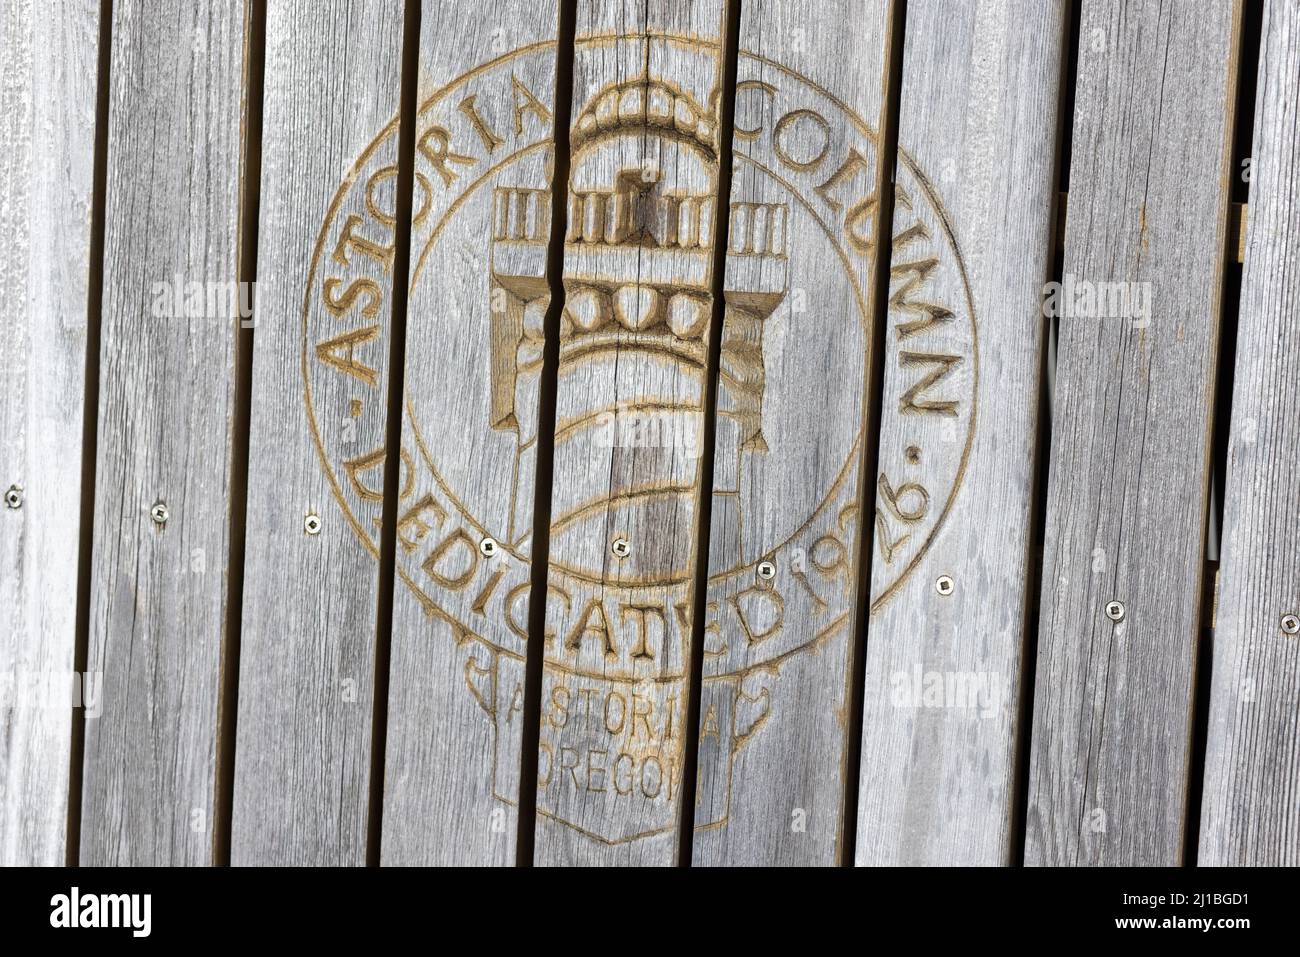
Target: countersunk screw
{"points": [[1291, 624], [766, 571], [945, 585], [1115, 610], [621, 547], [159, 513], [488, 547], [311, 524], [14, 496]]}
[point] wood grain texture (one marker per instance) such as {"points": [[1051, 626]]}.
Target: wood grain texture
{"points": [[158, 592], [47, 123], [1236, 227], [307, 655], [478, 296], [978, 113], [795, 352], [638, 259], [1248, 814], [1130, 447]]}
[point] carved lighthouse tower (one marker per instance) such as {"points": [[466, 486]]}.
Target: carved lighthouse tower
{"points": [[635, 329]]}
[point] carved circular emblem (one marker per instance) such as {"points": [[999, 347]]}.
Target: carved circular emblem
{"points": [[799, 268]]}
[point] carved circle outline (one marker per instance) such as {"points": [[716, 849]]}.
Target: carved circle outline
{"points": [[854, 456]]}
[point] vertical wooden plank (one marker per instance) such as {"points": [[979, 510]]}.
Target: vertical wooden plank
{"points": [[478, 295], [48, 68], [319, 407], [978, 114], [1130, 446], [633, 354], [795, 359], [1248, 811], [158, 588]]}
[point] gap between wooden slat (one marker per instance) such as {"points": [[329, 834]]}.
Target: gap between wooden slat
{"points": [[708, 437], [873, 397], [1247, 65], [540, 549], [393, 424], [1043, 444], [1236, 234], [89, 425], [250, 204], [1220, 403]]}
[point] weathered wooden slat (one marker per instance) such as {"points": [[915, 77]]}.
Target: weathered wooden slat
{"points": [[795, 353], [481, 223], [632, 375], [158, 588], [1236, 227], [323, 307], [978, 116], [1252, 759], [1130, 446], [47, 123]]}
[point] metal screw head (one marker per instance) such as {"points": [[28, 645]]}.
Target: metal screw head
{"points": [[621, 547], [1291, 624], [311, 524], [766, 571], [1115, 610], [159, 513], [14, 496], [488, 547], [945, 585]]}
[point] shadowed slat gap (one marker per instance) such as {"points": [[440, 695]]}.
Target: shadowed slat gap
{"points": [[1247, 72], [708, 438], [90, 423], [873, 397], [1043, 441], [541, 536], [393, 424], [228, 713]]}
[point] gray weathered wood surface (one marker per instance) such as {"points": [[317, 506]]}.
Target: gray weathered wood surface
{"points": [[307, 656], [47, 123], [978, 116], [1126, 508], [632, 376], [954, 503], [1252, 758], [796, 344], [158, 591], [480, 225]]}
